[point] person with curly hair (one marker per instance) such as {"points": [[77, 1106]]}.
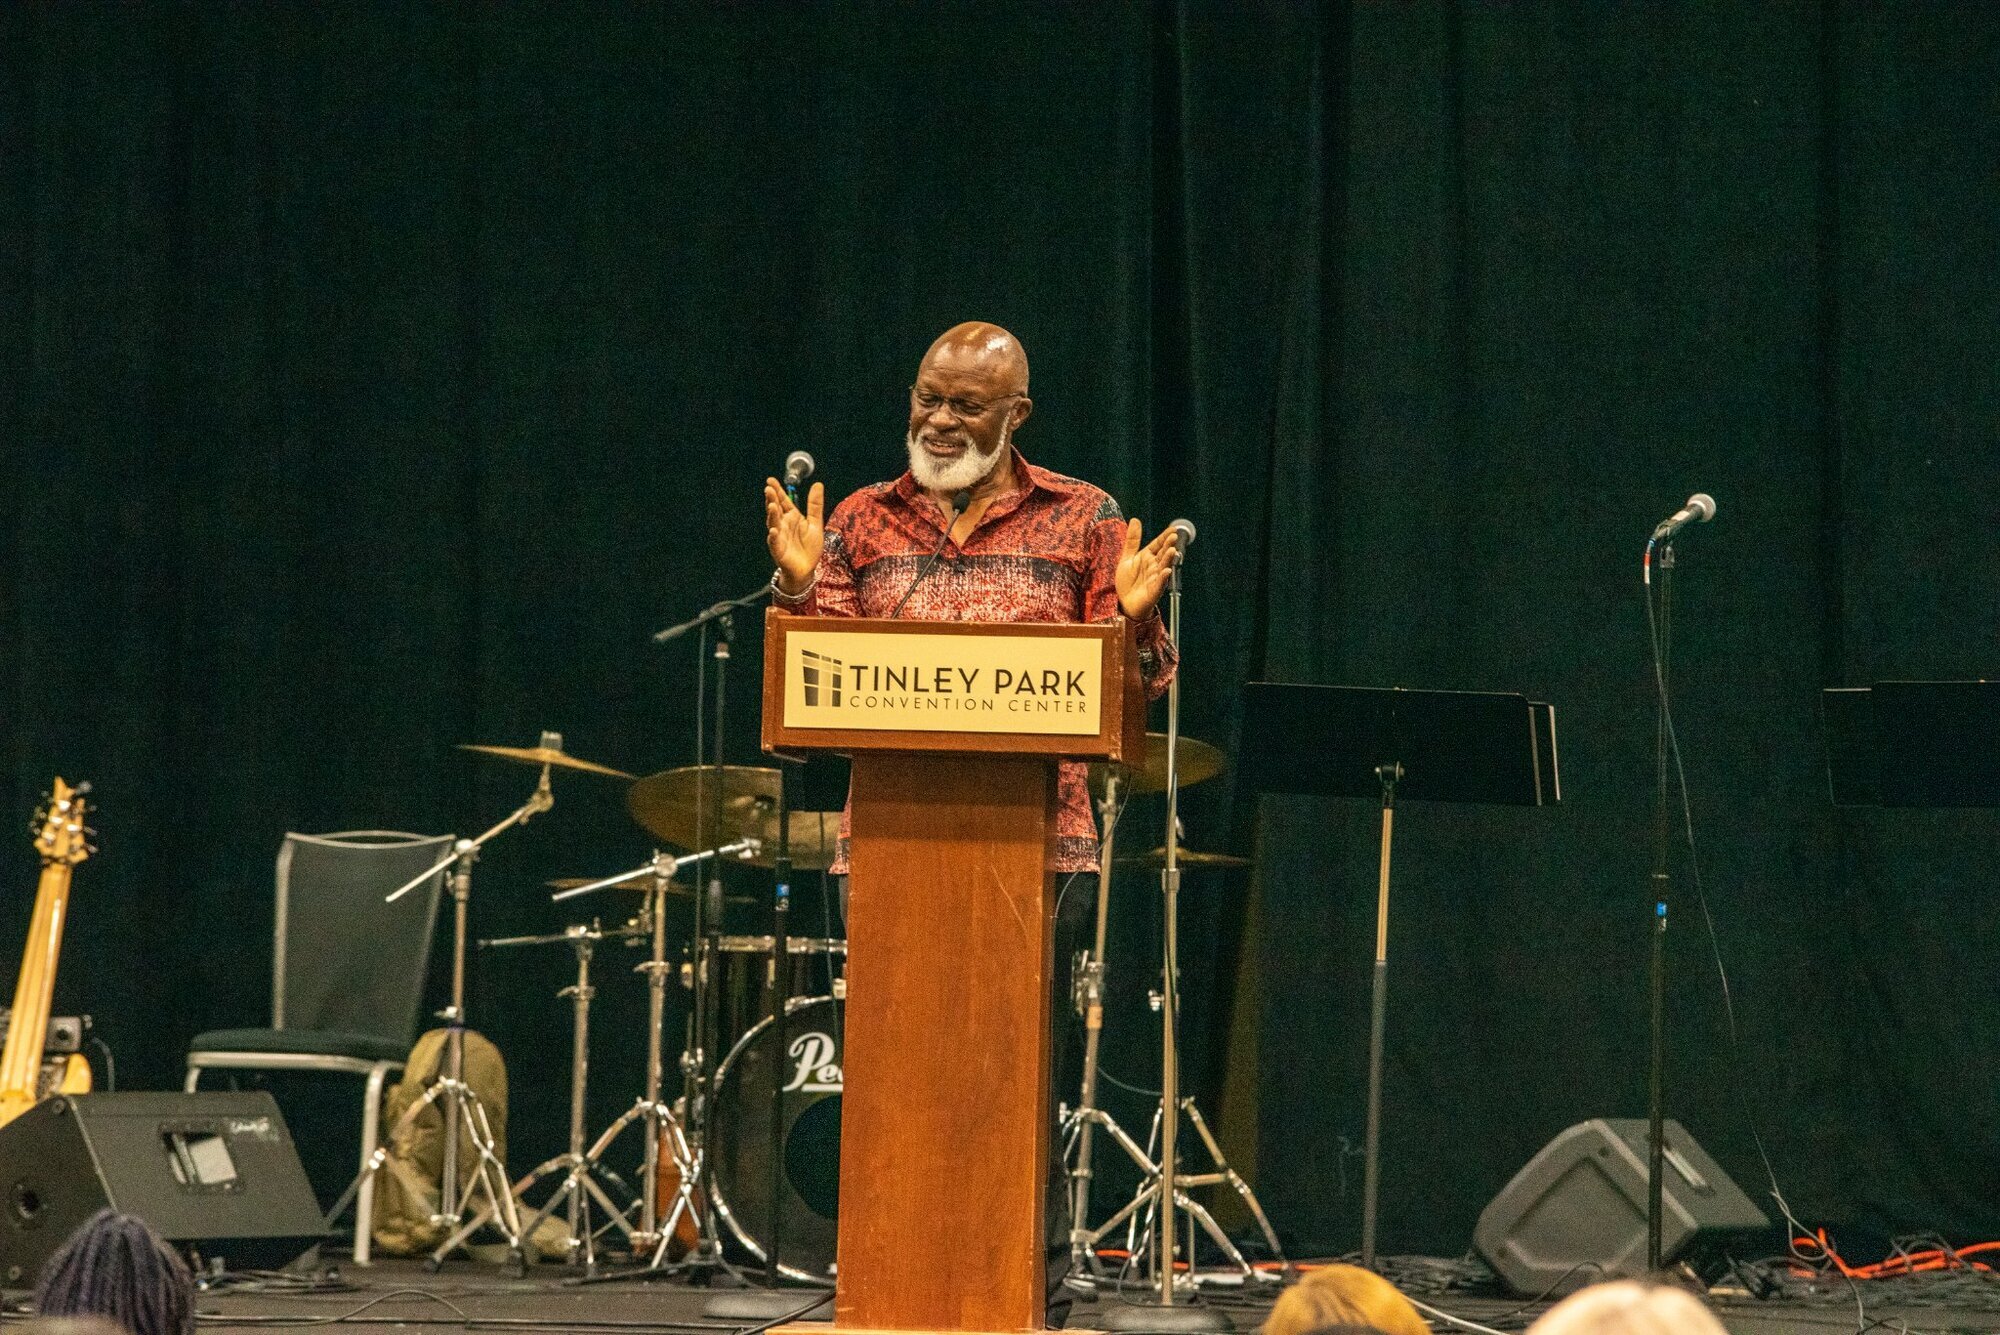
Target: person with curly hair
{"points": [[114, 1266]]}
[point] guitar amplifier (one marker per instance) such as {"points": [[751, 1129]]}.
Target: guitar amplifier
{"points": [[214, 1173]]}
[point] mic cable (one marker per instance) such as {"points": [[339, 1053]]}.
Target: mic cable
{"points": [[959, 501]]}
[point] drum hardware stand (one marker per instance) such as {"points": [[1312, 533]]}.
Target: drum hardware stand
{"points": [[658, 1117], [461, 1101], [580, 1185], [1139, 1240], [1086, 1117]]}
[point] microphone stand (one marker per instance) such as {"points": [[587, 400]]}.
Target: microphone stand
{"points": [[704, 1263], [1165, 1311], [718, 612], [1662, 847]]}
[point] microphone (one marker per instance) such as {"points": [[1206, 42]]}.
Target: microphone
{"points": [[959, 500], [798, 467], [1700, 508], [1183, 531]]}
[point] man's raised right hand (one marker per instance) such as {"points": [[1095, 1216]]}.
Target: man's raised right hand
{"points": [[795, 538]]}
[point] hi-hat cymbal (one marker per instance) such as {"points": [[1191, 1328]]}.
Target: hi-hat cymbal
{"points": [[672, 807], [1157, 858], [1199, 761], [545, 755], [643, 883]]}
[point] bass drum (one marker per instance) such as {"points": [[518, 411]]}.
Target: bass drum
{"points": [[809, 1189]]}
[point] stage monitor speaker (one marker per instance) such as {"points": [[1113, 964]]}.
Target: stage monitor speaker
{"points": [[1577, 1213], [216, 1174]]}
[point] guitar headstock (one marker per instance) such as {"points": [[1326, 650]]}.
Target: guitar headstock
{"points": [[61, 836]]}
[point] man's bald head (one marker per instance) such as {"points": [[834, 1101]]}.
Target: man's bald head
{"points": [[971, 395], [982, 348]]}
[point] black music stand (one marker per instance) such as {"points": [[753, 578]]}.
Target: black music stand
{"points": [[1369, 742], [1913, 744]]}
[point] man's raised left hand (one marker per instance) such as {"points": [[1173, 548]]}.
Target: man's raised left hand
{"points": [[1143, 570]]}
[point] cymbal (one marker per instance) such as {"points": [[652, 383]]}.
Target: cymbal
{"points": [[1157, 858], [643, 883], [669, 806], [673, 805], [815, 836], [545, 755], [1199, 761]]}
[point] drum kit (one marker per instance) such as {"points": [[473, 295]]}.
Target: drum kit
{"points": [[750, 1146]]}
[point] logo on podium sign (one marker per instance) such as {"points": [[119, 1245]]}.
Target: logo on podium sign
{"points": [[944, 683]]}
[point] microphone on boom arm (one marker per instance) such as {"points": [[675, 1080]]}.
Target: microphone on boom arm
{"points": [[959, 500]]}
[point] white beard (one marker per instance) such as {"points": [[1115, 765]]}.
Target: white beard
{"points": [[964, 473]]}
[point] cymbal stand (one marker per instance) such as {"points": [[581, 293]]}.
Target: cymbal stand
{"points": [[461, 1102], [1087, 1117], [580, 1185], [658, 1117]]}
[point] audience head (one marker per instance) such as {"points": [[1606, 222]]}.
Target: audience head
{"points": [[115, 1267], [72, 1325], [1343, 1295], [1628, 1307]]}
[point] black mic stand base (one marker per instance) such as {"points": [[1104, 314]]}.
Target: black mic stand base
{"points": [[768, 1305], [1150, 1314]]}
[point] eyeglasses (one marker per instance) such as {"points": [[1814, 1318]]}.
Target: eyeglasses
{"points": [[963, 409]]}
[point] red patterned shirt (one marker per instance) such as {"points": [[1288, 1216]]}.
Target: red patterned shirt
{"points": [[1047, 551]]}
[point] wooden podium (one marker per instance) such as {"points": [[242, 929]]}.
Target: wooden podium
{"points": [[954, 729]]}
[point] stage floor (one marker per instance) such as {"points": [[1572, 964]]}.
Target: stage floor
{"points": [[466, 1295]]}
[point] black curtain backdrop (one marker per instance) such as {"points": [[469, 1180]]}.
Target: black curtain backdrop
{"points": [[376, 378]]}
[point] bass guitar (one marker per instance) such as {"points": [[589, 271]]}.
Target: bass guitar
{"points": [[63, 843]]}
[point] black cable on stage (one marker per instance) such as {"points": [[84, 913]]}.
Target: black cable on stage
{"points": [[819, 1299]]}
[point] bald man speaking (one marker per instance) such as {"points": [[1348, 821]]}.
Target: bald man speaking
{"points": [[974, 532]]}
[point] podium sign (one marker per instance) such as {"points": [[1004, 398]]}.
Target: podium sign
{"points": [[1044, 689], [955, 729], [943, 683]]}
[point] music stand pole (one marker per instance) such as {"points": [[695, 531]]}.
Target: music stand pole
{"points": [[1378, 1012]]}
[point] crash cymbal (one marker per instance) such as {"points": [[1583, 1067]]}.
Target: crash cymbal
{"points": [[669, 806], [643, 883], [1199, 761], [549, 753], [672, 805], [1157, 858]]}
